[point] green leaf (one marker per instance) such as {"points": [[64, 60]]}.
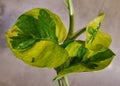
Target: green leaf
{"points": [[76, 52], [96, 39], [100, 42], [72, 47], [93, 27], [35, 36], [42, 28], [43, 56], [96, 62], [32, 29], [22, 41], [101, 56], [94, 55]]}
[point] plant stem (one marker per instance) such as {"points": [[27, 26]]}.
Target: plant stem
{"points": [[79, 32], [66, 80], [60, 82], [71, 17], [63, 81]]}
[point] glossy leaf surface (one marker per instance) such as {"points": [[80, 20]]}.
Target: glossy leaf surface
{"points": [[31, 29], [96, 39], [93, 55], [83, 60], [35, 36]]}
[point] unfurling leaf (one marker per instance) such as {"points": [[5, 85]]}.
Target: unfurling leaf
{"points": [[35, 38], [96, 39], [100, 42]]}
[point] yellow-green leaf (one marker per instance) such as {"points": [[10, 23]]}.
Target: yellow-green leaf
{"points": [[35, 38], [101, 42], [42, 54], [96, 39], [36, 25], [96, 62]]}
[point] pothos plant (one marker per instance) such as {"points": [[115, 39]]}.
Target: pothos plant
{"points": [[39, 38]]}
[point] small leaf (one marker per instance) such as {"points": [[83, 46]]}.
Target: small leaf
{"points": [[76, 52], [79, 55], [100, 42], [96, 39], [91, 31], [96, 62], [73, 48], [100, 56], [93, 27]]}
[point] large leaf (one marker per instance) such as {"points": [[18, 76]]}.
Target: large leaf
{"points": [[41, 54], [35, 36], [83, 60], [42, 25], [95, 38]]}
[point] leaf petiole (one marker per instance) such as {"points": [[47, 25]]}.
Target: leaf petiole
{"points": [[60, 82], [78, 33], [63, 81], [71, 17]]}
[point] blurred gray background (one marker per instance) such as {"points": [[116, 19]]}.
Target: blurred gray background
{"points": [[14, 72]]}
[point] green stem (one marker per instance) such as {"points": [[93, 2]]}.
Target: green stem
{"points": [[71, 17], [71, 27], [79, 32], [66, 80], [63, 81], [60, 82]]}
